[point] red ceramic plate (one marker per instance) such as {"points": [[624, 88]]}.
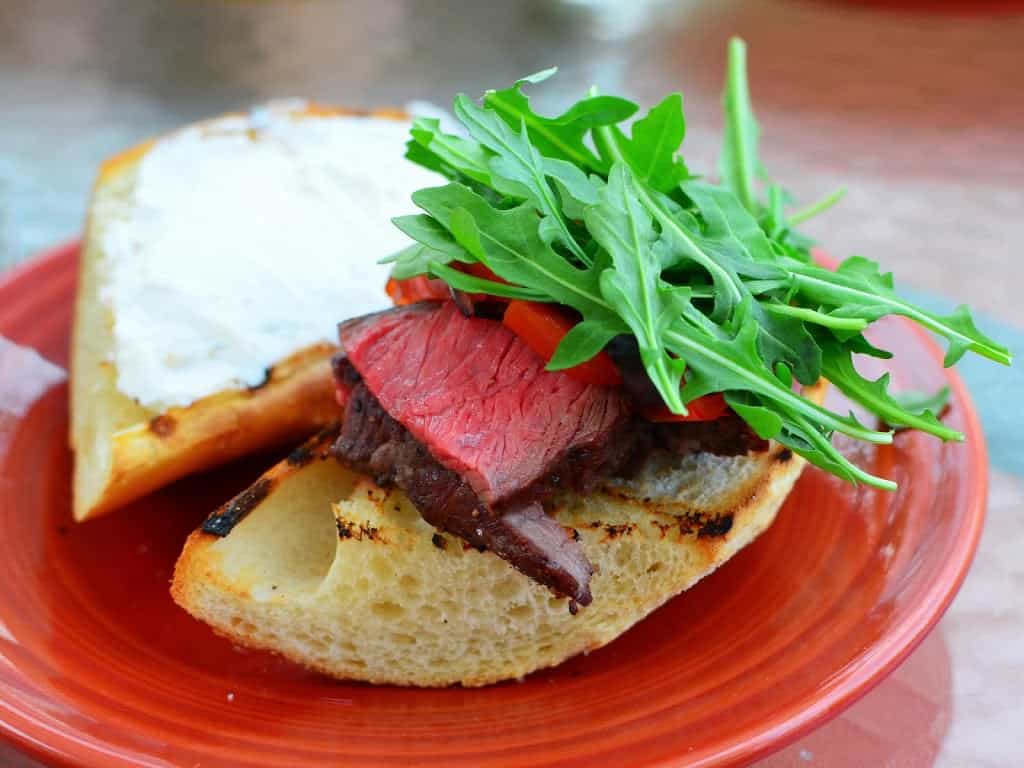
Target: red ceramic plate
{"points": [[99, 668]]}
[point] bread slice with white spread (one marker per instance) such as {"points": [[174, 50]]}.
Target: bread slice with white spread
{"points": [[216, 264]]}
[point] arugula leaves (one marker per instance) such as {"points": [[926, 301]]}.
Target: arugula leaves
{"points": [[858, 290], [712, 280], [560, 137], [625, 230]]}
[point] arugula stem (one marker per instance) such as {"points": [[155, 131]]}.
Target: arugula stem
{"points": [[669, 391], [464, 282], [815, 208], [818, 318], [494, 101], [737, 108], [775, 210]]}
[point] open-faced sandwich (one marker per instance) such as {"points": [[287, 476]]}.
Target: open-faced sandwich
{"points": [[601, 378]]}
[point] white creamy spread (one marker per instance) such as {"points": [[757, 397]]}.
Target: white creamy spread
{"points": [[247, 239]]}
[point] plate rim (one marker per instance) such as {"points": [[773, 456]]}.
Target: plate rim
{"points": [[886, 654]]}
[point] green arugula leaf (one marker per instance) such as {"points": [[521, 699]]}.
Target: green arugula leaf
{"points": [[816, 316], [435, 246], [750, 251], [773, 218], [920, 402], [733, 237], [684, 240], [442, 150], [519, 170], [576, 190], [652, 150], [625, 229], [511, 247], [803, 438], [560, 137], [654, 146], [413, 260], [740, 163], [420, 155], [765, 421], [857, 289], [800, 436], [859, 345], [584, 341], [839, 369], [786, 340], [816, 209]]}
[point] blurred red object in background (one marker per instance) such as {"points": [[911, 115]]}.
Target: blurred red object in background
{"points": [[974, 7]]}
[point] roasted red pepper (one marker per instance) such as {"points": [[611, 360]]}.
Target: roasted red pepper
{"points": [[414, 289], [543, 326], [707, 408]]}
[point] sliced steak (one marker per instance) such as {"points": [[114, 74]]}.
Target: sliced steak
{"points": [[371, 441], [478, 398]]}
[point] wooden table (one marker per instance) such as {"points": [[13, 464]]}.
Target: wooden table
{"points": [[921, 116]]}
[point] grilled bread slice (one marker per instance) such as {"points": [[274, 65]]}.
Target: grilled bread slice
{"points": [[364, 589], [123, 449]]}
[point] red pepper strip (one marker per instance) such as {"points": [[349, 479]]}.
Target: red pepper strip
{"points": [[403, 292], [422, 288], [542, 327], [707, 408]]}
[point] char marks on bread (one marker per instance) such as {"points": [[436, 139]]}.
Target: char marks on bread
{"points": [[372, 442]]}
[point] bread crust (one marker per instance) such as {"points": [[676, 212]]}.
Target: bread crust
{"points": [[123, 450], [363, 589]]}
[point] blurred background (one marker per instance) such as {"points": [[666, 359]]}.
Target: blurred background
{"points": [[916, 106]]}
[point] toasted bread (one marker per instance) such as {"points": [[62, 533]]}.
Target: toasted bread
{"points": [[364, 589], [124, 449]]}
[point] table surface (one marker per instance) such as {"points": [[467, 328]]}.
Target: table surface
{"points": [[920, 115]]}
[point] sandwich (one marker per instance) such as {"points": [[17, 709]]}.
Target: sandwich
{"points": [[201, 317], [601, 378]]}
